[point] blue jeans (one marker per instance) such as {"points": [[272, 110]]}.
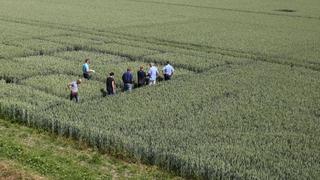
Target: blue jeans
{"points": [[127, 87]]}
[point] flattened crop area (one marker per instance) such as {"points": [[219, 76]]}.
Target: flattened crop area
{"points": [[244, 101]]}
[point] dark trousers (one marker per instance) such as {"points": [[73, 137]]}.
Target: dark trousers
{"points": [[86, 76], [110, 92], [141, 83], [167, 77], [74, 95], [147, 80]]}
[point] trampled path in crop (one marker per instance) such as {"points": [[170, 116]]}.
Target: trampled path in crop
{"points": [[226, 9], [134, 41]]}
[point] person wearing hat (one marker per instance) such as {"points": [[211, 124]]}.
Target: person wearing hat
{"points": [[167, 71], [86, 70], [141, 74], [153, 74], [74, 87]]}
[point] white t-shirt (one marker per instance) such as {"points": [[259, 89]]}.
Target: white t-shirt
{"points": [[74, 87], [153, 72], [168, 69]]}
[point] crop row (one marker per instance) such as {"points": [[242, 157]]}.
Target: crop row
{"points": [[201, 58], [234, 128], [125, 46], [147, 52], [239, 118], [42, 47], [13, 31], [284, 48], [21, 68], [70, 63]]}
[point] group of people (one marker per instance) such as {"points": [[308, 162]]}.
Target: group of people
{"points": [[143, 78]]}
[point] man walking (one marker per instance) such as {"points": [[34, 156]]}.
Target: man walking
{"points": [[110, 84], [167, 71], [141, 74], [74, 87], [86, 70], [127, 79], [153, 74]]}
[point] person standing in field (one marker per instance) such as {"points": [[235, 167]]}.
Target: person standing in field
{"points": [[127, 79], [141, 74], [86, 69], [168, 71], [74, 87], [153, 74], [110, 84]]}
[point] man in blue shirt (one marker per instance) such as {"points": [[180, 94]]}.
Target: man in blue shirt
{"points": [[127, 79], [153, 74], [86, 70], [167, 71]]}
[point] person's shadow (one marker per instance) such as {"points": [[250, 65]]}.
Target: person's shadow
{"points": [[103, 92]]}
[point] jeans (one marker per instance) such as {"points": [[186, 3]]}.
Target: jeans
{"points": [[127, 87]]}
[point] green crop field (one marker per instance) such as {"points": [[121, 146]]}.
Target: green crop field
{"points": [[244, 102]]}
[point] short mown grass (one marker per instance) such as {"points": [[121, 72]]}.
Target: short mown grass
{"points": [[27, 153]]}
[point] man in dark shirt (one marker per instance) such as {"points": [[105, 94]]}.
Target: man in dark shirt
{"points": [[141, 77], [110, 84], [127, 79]]}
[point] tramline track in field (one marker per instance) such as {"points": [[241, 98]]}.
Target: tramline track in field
{"points": [[136, 40]]}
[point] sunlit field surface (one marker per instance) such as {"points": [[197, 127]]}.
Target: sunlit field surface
{"points": [[244, 101]]}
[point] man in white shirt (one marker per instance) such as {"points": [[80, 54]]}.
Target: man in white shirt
{"points": [[153, 74], [168, 71]]}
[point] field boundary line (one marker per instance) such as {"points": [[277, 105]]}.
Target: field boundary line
{"points": [[226, 9]]}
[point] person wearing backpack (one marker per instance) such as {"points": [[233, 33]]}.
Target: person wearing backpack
{"points": [[127, 79]]}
